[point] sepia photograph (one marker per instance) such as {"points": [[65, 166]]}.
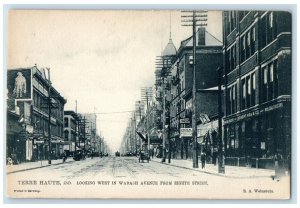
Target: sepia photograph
{"points": [[148, 104]]}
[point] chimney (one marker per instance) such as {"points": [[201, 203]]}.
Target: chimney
{"points": [[201, 36]]}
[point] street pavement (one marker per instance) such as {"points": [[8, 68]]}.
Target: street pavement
{"points": [[34, 165], [93, 178], [230, 171], [129, 167]]}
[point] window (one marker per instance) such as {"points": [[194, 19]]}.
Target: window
{"points": [[268, 29], [248, 95], [248, 52], [231, 60], [252, 46], [248, 44], [248, 91], [243, 94], [66, 122], [253, 88], [242, 14], [243, 52], [270, 82], [231, 21], [232, 104]]}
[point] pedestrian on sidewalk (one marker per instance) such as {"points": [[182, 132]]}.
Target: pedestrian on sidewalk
{"points": [[64, 156], [203, 158]]}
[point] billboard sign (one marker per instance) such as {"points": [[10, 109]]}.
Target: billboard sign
{"points": [[186, 132], [19, 84]]}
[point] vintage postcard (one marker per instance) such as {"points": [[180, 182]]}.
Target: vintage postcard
{"points": [[148, 104]]}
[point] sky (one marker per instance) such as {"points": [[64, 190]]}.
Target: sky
{"points": [[99, 58]]}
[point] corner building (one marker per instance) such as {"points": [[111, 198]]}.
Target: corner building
{"points": [[257, 76]]}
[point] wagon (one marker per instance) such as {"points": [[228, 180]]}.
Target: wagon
{"points": [[144, 156]]}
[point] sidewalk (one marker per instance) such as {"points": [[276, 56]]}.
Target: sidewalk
{"points": [[34, 165], [230, 171]]}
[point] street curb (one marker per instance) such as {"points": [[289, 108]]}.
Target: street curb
{"points": [[17, 171], [216, 174]]}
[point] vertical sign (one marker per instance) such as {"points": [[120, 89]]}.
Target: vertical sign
{"points": [[28, 149]]}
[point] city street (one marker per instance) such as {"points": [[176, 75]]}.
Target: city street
{"points": [[205, 94], [117, 175], [111, 168], [129, 168]]}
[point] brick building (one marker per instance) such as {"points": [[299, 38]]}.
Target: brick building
{"points": [[28, 91], [257, 74], [208, 59]]}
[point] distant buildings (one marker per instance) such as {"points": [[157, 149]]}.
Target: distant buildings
{"points": [[89, 139], [71, 126]]}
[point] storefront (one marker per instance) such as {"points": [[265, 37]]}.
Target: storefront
{"points": [[253, 138], [208, 139]]}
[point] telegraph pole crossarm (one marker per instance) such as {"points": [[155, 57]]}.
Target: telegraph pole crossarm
{"points": [[195, 18]]}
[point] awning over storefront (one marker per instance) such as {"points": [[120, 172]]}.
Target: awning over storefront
{"points": [[141, 136]]}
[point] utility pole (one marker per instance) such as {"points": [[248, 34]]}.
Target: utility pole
{"points": [[76, 127], [164, 121], [84, 122], [146, 95], [163, 66], [147, 117], [140, 114], [134, 131], [169, 144], [197, 16], [82, 125], [221, 159], [49, 117]]}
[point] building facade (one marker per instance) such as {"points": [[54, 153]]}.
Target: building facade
{"points": [[208, 58], [28, 92], [257, 76], [71, 120], [89, 137]]}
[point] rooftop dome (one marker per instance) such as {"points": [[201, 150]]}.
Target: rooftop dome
{"points": [[170, 49]]}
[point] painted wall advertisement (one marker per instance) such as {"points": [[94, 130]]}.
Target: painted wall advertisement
{"points": [[19, 84]]}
